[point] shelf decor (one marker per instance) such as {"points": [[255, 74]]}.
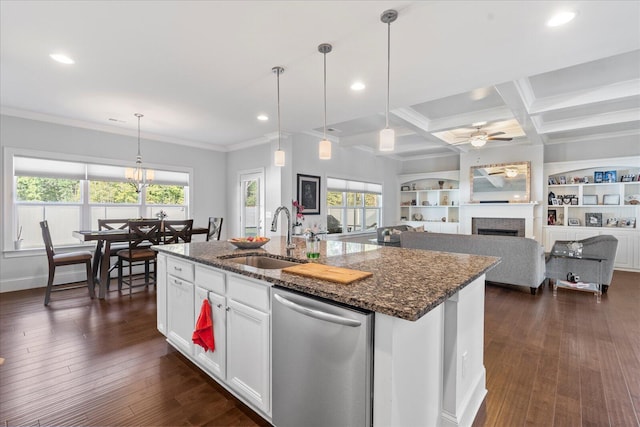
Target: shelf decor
{"points": [[309, 193], [593, 219], [611, 199], [590, 199]]}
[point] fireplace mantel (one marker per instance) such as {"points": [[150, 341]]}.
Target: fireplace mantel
{"points": [[498, 210]]}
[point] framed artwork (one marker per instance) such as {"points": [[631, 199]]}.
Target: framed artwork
{"points": [[574, 222], [405, 188], [309, 193], [598, 177], [611, 199], [552, 181], [563, 180], [612, 222], [593, 219], [555, 201], [574, 200], [551, 217], [610, 176], [590, 199]]}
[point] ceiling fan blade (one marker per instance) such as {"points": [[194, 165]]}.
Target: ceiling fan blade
{"points": [[495, 134], [499, 139]]}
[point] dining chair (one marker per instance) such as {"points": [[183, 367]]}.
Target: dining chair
{"points": [[177, 231], [58, 260], [142, 234], [215, 227], [111, 224]]}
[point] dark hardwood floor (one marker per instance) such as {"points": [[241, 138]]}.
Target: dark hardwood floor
{"points": [[560, 361]]}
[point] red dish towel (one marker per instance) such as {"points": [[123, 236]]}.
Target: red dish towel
{"points": [[203, 335]]}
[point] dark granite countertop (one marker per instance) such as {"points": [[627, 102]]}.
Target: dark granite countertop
{"points": [[406, 283]]}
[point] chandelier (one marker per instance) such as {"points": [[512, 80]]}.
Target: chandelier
{"points": [[138, 176]]}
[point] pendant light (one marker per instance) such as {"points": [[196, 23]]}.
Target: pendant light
{"points": [[138, 176], [324, 149], [279, 158], [387, 135]]}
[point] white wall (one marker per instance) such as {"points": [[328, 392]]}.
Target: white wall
{"points": [[22, 271], [620, 146]]}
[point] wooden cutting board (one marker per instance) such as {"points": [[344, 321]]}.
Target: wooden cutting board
{"points": [[328, 272]]}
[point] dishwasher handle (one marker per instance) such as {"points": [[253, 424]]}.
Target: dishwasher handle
{"points": [[317, 314]]}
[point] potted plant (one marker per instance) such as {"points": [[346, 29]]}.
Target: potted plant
{"points": [[17, 244], [297, 225]]}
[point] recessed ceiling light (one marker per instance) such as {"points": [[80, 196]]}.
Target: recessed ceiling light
{"points": [[263, 117], [561, 18], [63, 59], [357, 86]]}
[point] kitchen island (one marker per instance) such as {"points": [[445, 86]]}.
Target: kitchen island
{"points": [[428, 333]]}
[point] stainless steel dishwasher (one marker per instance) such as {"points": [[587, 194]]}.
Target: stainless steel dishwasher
{"points": [[322, 362]]}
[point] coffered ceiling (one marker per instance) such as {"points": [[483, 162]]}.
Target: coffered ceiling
{"points": [[200, 71]]}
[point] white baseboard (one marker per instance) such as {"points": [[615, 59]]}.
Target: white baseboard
{"points": [[469, 408]]}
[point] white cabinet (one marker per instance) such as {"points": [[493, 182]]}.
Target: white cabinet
{"points": [[248, 341], [241, 315], [161, 293], [180, 294], [576, 196], [213, 361]]}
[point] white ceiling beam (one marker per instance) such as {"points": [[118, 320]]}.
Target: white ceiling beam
{"points": [[631, 115], [599, 94], [516, 96]]}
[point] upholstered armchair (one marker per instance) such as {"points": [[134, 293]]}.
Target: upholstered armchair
{"points": [[602, 246]]}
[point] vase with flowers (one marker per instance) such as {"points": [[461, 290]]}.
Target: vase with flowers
{"points": [[297, 225]]}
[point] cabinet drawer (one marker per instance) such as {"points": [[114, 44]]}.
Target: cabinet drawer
{"points": [[179, 268], [253, 294], [209, 279]]}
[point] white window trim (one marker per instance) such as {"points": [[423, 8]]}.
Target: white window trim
{"points": [[9, 220], [344, 208]]}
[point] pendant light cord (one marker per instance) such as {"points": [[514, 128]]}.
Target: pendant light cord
{"points": [[388, 68], [278, 88], [325, 95]]}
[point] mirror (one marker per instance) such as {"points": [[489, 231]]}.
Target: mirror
{"points": [[504, 182]]}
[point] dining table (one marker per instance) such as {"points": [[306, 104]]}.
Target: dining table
{"points": [[101, 257]]}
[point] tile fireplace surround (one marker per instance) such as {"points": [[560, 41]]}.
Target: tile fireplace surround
{"points": [[499, 224], [517, 216]]}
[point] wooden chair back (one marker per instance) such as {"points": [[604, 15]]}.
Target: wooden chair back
{"points": [[215, 227], [112, 224], [177, 231], [143, 233], [48, 244]]}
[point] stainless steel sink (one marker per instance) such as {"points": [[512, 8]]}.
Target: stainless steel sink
{"points": [[259, 261]]}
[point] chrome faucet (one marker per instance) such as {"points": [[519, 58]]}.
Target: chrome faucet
{"points": [[274, 224]]}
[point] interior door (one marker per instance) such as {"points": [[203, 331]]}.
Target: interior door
{"points": [[252, 204]]}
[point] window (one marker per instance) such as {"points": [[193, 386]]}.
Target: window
{"points": [[74, 195], [353, 206]]}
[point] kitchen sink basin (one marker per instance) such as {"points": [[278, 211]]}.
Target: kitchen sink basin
{"points": [[259, 261]]}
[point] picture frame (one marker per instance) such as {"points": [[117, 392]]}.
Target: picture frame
{"points": [[309, 193], [551, 217], [612, 222], [555, 201], [405, 188], [562, 180], [552, 181], [574, 200], [611, 199], [573, 222], [593, 219], [627, 223], [610, 176], [590, 199], [598, 177]]}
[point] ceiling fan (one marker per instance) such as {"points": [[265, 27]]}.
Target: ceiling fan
{"points": [[479, 138]]}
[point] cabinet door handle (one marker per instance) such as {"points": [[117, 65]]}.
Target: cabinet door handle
{"points": [[177, 282], [227, 309], [177, 268], [219, 305]]}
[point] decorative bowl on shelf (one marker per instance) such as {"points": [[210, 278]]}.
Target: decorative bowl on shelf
{"points": [[248, 242]]}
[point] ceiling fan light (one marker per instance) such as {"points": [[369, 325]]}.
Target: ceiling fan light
{"points": [[511, 173], [387, 140], [324, 149], [478, 142], [278, 158]]}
